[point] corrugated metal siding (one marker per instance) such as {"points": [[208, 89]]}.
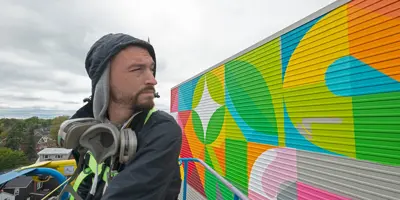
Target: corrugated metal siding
{"points": [[191, 194], [312, 114]]}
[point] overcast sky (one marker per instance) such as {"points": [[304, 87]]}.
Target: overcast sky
{"points": [[43, 44]]}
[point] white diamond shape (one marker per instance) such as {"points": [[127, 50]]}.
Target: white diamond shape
{"points": [[207, 106]]}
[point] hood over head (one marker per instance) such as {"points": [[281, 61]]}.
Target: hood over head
{"points": [[97, 66]]}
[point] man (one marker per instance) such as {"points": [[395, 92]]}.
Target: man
{"points": [[122, 69]]}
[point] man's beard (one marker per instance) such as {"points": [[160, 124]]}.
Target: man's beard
{"points": [[133, 100]]}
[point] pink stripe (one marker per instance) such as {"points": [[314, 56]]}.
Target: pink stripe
{"points": [[307, 192], [174, 100]]}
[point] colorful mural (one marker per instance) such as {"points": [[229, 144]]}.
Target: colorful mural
{"points": [[312, 114]]}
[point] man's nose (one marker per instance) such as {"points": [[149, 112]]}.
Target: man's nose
{"points": [[151, 80]]}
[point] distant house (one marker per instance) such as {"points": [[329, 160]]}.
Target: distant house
{"points": [[42, 136], [44, 131], [44, 142], [54, 154], [19, 187]]}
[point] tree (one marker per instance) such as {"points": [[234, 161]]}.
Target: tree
{"points": [[29, 140], [32, 122], [55, 126], [15, 135], [10, 159], [3, 134]]}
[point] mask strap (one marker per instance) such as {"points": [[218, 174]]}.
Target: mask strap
{"points": [[95, 180]]}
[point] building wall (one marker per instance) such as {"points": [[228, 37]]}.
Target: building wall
{"points": [[311, 114], [23, 192]]}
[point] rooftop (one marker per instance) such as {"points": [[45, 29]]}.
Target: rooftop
{"points": [[19, 182], [55, 151]]}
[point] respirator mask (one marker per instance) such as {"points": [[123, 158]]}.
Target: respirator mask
{"points": [[103, 140]]}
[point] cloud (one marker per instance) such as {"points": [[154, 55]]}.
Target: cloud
{"points": [[43, 44]]}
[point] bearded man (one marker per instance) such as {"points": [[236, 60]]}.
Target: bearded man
{"points": [[122, 69]]}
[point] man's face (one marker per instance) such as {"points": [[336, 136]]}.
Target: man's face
{"points": [[131, 78]]}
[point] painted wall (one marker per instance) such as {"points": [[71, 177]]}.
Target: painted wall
{"points": [[313, 114]]}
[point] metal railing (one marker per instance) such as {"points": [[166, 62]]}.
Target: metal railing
{"points": [[185, 161]]}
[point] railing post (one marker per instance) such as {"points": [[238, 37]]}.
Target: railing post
{"points": [[185, 169]]}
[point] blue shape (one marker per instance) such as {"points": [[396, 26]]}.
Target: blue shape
{"points": [[249, 133], [185, 94], [290, 40], [55, 174], [294, 139], [348, 76], [13, 174]]}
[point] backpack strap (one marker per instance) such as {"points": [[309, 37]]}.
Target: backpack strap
{"points": [[138, 124], [149, 114]]}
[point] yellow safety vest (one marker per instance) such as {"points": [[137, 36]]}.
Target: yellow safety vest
{"points": [[93, 164]]}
